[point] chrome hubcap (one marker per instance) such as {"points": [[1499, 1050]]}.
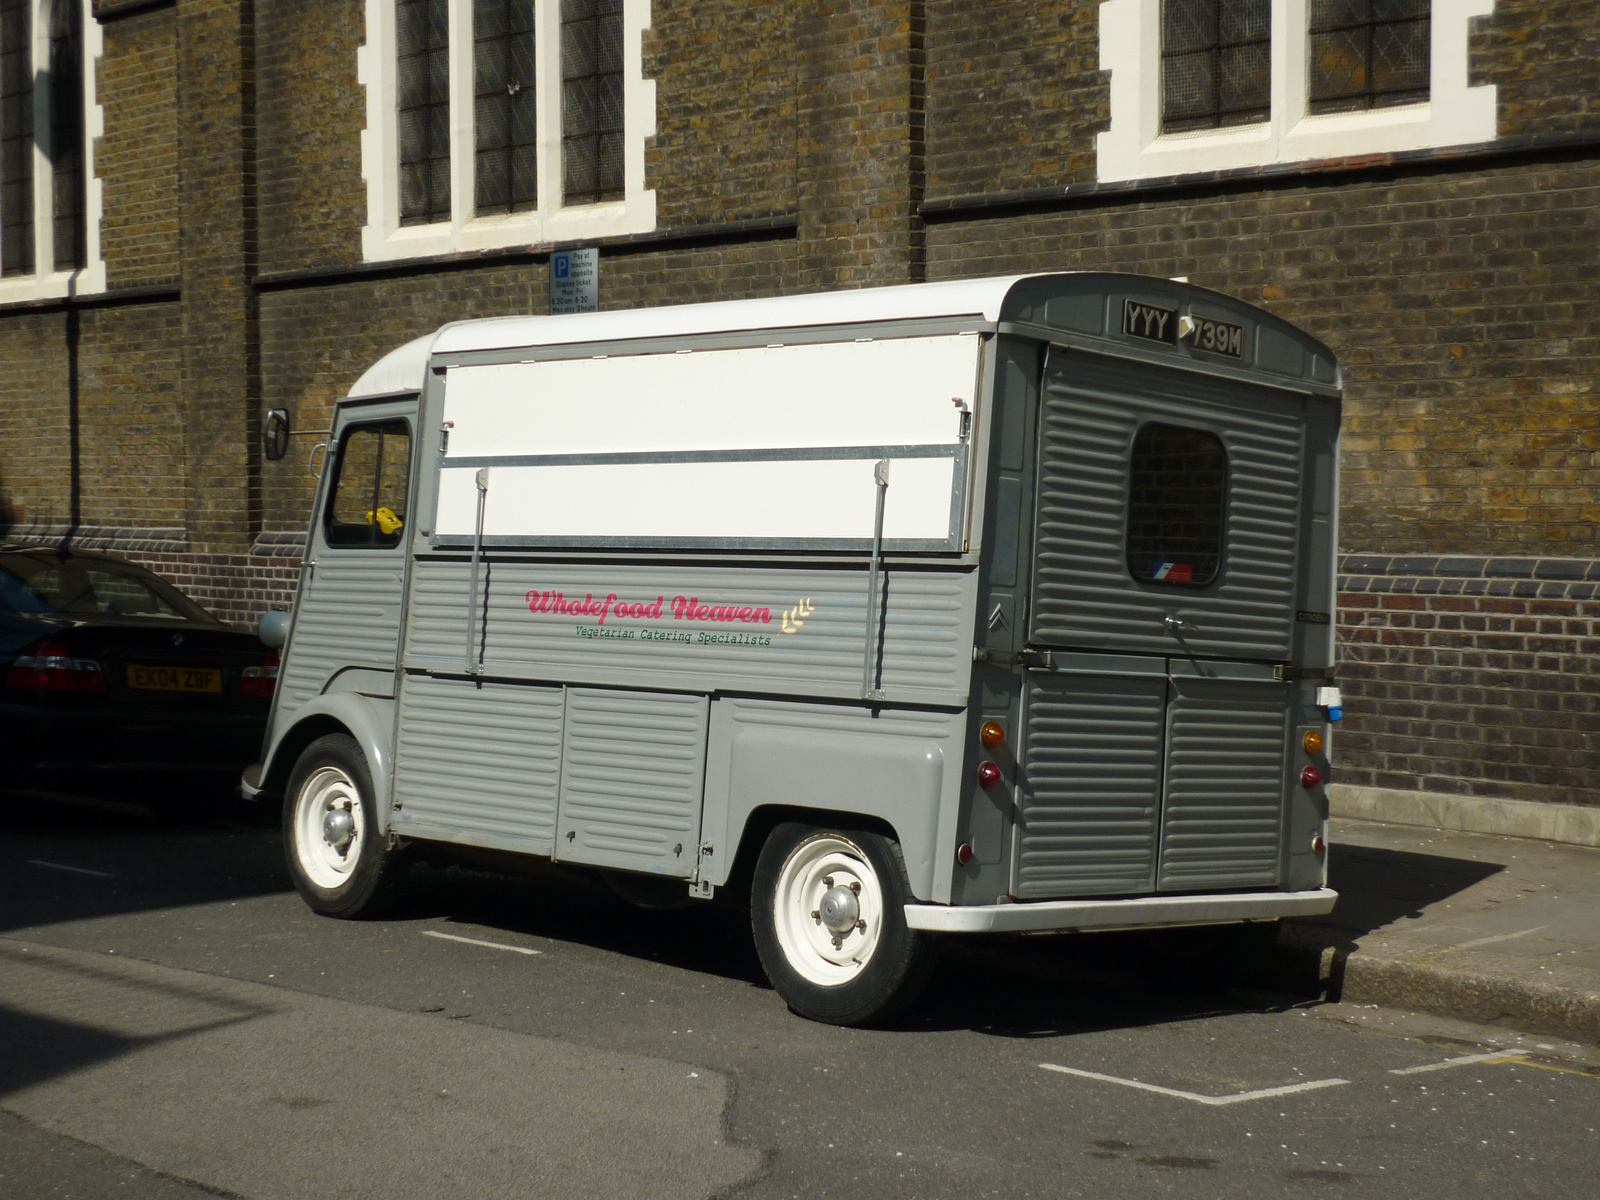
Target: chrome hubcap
{"points": [[338, 827]]}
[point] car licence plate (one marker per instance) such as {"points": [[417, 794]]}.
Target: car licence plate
{"points": [[174, 679]]}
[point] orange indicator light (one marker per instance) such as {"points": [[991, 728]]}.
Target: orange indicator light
{"points": [[1312, 742], [992, 734]]}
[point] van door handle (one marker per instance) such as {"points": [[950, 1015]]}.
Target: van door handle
{"points": [[1177, 627]]}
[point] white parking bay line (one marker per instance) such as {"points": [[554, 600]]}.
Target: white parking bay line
{"points": [[1465, 1060], [456, 937], [1214, 1101], [39, 862]]}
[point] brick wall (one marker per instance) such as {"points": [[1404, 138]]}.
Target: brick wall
{"points": [[1543, 56], [1015, 94], [862, 142], [1471, 676], [137, 157], [35, 467], [221, 385], [313, 201], [725, 109], [130, 433]]}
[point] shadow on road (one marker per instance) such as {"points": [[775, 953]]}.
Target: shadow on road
{"points": [[73, 857], [575, 906], [1012, 986]]}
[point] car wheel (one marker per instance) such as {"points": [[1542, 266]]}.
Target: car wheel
{"points": [[828, 912], [339, 858]]}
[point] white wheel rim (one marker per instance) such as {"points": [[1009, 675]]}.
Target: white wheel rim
{"points": [[803, 881], [328, 863]]}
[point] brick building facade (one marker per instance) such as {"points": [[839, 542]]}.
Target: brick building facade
{"points": [[248, 248]]}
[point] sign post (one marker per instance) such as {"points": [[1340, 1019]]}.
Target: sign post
{"points": [[575, 280]]}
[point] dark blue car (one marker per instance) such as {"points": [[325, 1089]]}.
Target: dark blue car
{"points": [[109, 675]]}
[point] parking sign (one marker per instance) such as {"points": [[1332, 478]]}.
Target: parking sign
{"points": [[575, 280]]}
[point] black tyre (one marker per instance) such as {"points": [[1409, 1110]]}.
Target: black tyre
{"points": [[339, 857], [828, 910]]}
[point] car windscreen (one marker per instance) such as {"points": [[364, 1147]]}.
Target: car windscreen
{"points": [[49, 584]]}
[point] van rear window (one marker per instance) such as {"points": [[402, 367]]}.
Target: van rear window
{"points": [[1177, 499]]}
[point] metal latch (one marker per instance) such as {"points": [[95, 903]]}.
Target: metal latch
{"points": [[1028, 660]]}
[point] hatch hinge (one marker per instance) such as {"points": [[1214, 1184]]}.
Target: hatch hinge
{"points": [[1283, 673]]}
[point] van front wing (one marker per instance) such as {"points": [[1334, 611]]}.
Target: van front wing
{"points": [[1147, 912]]}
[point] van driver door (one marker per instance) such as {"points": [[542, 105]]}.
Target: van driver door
{"points": [[346, 632]]}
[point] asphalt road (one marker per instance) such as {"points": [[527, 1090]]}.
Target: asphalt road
{"points": [[175, 1023]]}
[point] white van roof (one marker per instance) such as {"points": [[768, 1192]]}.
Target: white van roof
{"points": [[402, 370]]}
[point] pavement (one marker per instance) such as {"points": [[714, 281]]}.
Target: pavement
{"points": [[1495, 930], [164, 1067]]}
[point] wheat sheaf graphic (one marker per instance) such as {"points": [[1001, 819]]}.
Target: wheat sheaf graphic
{"points": [[794, 617]]}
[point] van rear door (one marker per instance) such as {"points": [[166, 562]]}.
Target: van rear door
{"points": [[1167, 554]]}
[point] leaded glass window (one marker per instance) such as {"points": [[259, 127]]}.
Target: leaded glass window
{"points": [[1368, 54], [505, 107], [422, 42], [66, 133], [1215, 63], [591, 101], [16, 137]]}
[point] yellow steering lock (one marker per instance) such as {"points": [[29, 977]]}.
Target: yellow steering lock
{"points": [[388, 523]]}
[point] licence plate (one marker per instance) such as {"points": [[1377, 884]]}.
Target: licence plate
{"points": [[174, 679]]}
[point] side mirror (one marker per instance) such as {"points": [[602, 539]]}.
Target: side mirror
{"points": [[275, 434], [273, 628]]}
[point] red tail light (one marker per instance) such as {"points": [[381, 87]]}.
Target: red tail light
{"points": [[988, 774], [1310, 778], [50, 667], [261, 681]]}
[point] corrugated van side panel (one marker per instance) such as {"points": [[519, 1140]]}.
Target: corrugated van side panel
{"points": [[479, 759], [811, 642], [349, 617], [1091, 786], [632, 780], [1222, 821]]}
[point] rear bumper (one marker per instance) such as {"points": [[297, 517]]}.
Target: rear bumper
{"points": [[1146, 912]]}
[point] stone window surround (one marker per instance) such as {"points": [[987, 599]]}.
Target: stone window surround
{"points": [[49, 283], [1134, 147], [383, 238]]}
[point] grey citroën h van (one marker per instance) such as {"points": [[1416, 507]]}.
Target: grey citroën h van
{"points": [[1003, 604]]}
